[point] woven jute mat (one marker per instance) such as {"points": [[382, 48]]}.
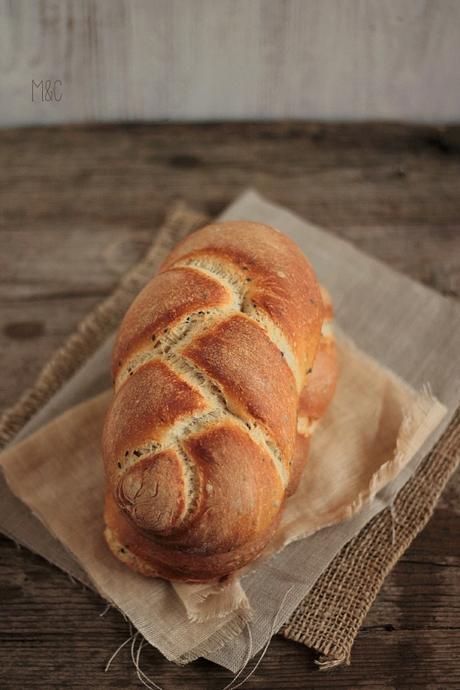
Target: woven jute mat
{"points": [[330, 616]]}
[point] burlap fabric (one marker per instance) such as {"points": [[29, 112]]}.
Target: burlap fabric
{"points": [[330, 615]]}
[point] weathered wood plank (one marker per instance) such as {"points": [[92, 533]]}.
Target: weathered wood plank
{"points": [[31, 331], [337, 176]]}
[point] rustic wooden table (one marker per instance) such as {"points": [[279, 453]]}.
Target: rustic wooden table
{"points": [[78, 206]]}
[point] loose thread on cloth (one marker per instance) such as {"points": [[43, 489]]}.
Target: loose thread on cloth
{"points": [[106, 610], [230, 686], [152, 685], [72, 579], [325, 663], [393, 520], [135, 658], [116, 652]]}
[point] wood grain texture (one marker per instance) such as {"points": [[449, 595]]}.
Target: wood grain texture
{"points": [[78, 206], [232, 59]]}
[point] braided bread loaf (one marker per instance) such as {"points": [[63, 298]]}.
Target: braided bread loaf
{"points": [[209, 427]]}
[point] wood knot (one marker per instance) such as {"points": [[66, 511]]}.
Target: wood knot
{"points": [[23, 330], [184, 161]]}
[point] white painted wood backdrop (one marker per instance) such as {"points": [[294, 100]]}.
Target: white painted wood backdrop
{"points": [[231, 59]]}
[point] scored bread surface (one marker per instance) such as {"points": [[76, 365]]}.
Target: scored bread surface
{"points": [[205, 437]]}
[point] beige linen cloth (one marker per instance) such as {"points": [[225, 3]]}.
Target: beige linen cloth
{"points": [[373, 433]]}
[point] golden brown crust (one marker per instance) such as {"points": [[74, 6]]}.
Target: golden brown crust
{"points": [[316, 395], [202, 443], [327, 304], [152, 493], [282, 283], [197, 555], [144, 409], [320, 385], [299, 461], [253, 375], [215, 539], [166, 299], [314, 400], [234, 512]]}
